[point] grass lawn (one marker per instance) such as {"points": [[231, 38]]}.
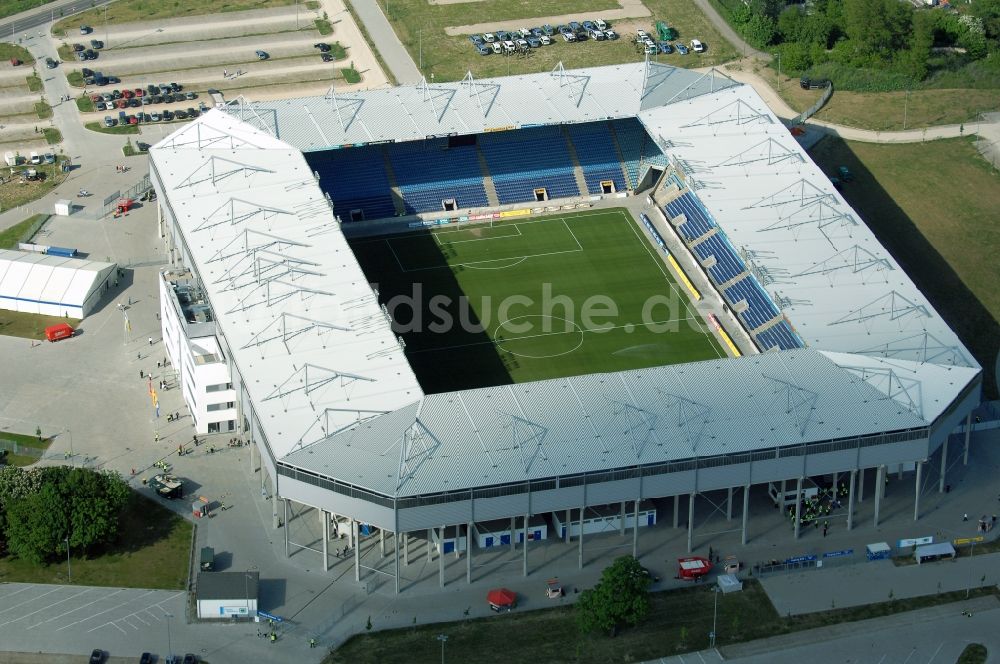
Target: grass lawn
{"points": [[52, 135], [679, 621], [29, 326], [7, 50], [939, 223], [34, 83], [85, 104], [117, 129], [351, 75], [420, 26], [23, 440], [128, 11], [885, 111], [549, 297], [20, 232], [974, 653], [13, 193], [43, 110], [152, 551], [75, 78], [323, 26]]}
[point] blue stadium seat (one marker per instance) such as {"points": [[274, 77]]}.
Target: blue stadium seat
{"points": [[760, 308], [428, 172], [728, 263], [780, 336], [698, 221], [355, 179], [525, 160], [595, 150], [637, 148]]}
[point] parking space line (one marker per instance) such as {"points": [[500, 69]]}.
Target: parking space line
{"points": [[76, 609], [26, 615], [940, 645], [136, 616], [4, 597], [152, 614], [148, 592], [105, 625], [58, 588], [125, 620]]}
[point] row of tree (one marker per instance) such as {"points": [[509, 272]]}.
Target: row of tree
{"points": [[887, 36], [44, 510]]}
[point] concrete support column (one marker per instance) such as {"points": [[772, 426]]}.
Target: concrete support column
{"points": [[621, 520], [746, 513], [916, 491], [900, 475], [944, 464], [798, 507], [861, 486], [381, 543], [879, 482], [850, 500], [580, 541], [524, 549], [430, 544], [677, 509], [324, 519], [458, 541], [513, 533], [284, 502], [352, 537], [968, 434], [253, 454], [275, 519], [690, 520], [569, 517], [729, 504], [441, 558], [406, 549], [885, 480], [635, 530], [357, 551], [782, 489], [468, 552], [395, 558]]}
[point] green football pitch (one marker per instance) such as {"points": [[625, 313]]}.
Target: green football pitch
{"points": [[530, 299]]}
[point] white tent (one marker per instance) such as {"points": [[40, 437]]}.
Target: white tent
{"points": [[51, 285]]}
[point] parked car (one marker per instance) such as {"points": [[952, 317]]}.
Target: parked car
{"points": [[190, 95], [139, 92], [85, 29], [90, 54], [180, 114], [77, 47], [114, 79], [145, 658], [563, 29], [534, 42], [133, 120], [597, 35], [176, 87], [87, 72], [262, 55], [147, 100], [548, 30], [96, 43], [135, 102], [322, 47], [544, 39], [489, 38], [190, 659], [589, 25], [611, 34], [109, 121], [326, 57], [665, 47], [807, 83], [697, 46], [167, 116], [155, 117], [601, 25], [521, 44], [142, 147], [192, 112], [682, 49], [651, 49], [574, 26], [97, 655], [50, 63], [475, 39], [569, 37], [536, 32], [482, 50]]}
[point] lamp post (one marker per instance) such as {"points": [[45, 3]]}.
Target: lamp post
{"points": [[443, 638], [69, 567], [170, 650], [778, 55]]}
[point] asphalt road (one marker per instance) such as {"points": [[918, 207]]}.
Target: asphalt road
{"points": [[384, 38], [16, 26]]}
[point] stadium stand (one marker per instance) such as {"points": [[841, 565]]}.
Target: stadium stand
{"points": [[355, 179], [428, 172], [595, 150], [698, 221], [759, 309], [637, 148], [780, 336], [528, 159], [728, 264]]}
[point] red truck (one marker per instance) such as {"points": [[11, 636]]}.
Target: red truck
{"points": [[59, 331]]}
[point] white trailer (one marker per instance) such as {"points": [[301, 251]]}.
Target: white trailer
{"points": [[789, 498]]}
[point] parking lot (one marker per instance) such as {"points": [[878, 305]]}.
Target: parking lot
{"points": [[18, 118], [281, 58]]}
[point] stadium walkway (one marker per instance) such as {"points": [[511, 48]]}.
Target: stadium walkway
{"points": [[384, 38]]}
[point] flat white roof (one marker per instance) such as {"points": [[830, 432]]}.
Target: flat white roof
{"points": [[46, 279], [304, 328]]}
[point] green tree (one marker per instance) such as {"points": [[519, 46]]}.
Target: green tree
{"points": [[620, 597], [988, 11], [37, 525]]}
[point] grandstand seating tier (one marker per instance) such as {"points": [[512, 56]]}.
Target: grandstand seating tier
{"points": [[780, 335], [595, 151], [760, 309], [728, 264]]}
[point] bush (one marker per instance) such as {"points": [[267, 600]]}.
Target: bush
{"points": [[620, 597]]}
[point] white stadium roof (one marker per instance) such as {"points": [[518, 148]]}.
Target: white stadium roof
{"points": [[317, 354], [48, 284]]}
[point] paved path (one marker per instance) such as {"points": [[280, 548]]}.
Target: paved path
{"points": [[394, 54], [15, 26], [727, 32]]}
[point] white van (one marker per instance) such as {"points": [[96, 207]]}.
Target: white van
{"points": [[489, 38], [509, 47], [697, 46], [35, 158], [601, 25], [497, 48], [788, 499]]}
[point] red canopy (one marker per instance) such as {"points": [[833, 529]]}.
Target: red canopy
{"points": [[501, 597]]}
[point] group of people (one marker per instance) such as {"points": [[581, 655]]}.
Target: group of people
{"points": [[820, 506], [121, 168]]}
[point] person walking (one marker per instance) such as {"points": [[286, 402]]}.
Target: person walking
{"points": [[151, 341], [965, 517], [141, 374], [274, 637], [312, 643]]}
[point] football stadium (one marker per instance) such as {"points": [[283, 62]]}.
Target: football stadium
{"points": [[494, 312]]}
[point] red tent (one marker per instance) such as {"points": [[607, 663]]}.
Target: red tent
{"points": [[501, 598]]}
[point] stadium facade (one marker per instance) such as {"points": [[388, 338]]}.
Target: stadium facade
{"points": [[856, 371]]}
